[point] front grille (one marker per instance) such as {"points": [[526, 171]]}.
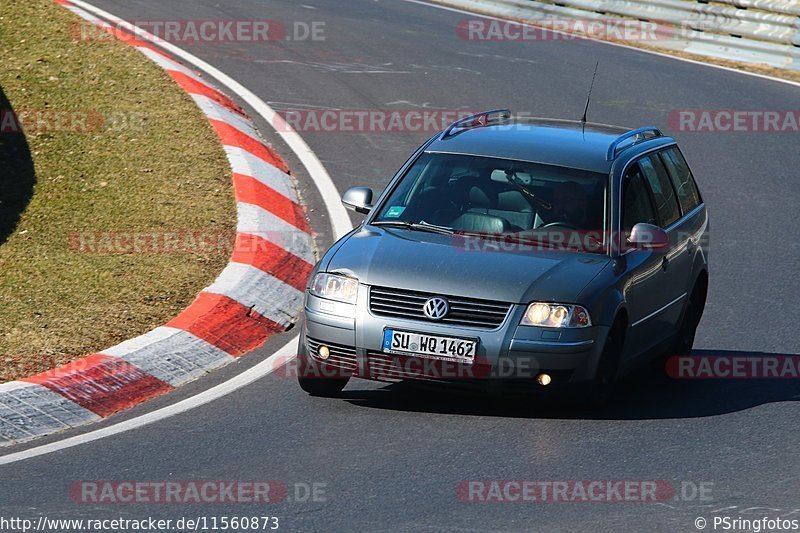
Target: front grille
{"points": [[343, 357], [470, 312]]}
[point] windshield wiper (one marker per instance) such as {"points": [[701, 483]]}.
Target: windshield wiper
{"points": [[419, 226]]}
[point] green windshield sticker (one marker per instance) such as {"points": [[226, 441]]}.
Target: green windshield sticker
{"points": [[395, 211]]}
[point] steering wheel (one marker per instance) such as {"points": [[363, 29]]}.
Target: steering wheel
{"points": [[559, 223]]}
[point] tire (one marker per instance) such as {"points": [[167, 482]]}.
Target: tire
{"points": [[316, 383], [601, 387], [684, 340]]}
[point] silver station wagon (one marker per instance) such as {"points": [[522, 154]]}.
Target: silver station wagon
{"points": [[514, 255]]}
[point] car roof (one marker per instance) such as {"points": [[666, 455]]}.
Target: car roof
{"points": [[566, 143]]}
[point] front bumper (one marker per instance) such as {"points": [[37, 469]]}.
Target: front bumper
{"points": [[508, 353]]}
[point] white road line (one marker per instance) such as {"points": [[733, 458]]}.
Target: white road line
{"points": [[340, 223], [286, 353], [340, 220], [453, 9]]}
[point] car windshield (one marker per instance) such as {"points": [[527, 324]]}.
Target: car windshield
{"points": [[483, 195]]}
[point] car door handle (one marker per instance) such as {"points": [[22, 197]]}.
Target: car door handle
{"points": [[665, 263]]}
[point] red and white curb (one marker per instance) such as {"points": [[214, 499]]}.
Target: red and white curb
{"points": [[259, 293]]}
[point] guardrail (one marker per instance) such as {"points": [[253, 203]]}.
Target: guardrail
{"points": [[754, 31]]}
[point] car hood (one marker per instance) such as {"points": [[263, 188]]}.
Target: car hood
{"points": [[442, 264]]}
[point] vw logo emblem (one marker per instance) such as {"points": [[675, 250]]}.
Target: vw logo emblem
{"points": [[436, 308]]}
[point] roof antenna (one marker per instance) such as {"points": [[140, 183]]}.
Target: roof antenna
{"points": [[588, 99]]}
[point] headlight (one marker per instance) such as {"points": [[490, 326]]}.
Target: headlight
{"points": [[335, 287], [556, 316]]}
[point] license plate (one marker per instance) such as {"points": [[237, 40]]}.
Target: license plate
{"points": [[429, 346]]}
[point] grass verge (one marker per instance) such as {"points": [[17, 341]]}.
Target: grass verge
{"points": [[115, 150]]}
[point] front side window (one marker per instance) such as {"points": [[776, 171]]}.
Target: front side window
{"points": [[482, 194], [663, 193], [636, 203], [682, 178]]}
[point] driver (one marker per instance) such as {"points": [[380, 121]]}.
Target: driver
{"points": [[569, 205]]}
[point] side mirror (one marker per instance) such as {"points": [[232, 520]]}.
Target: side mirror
{"points": [[648, 237], [358, 199]]}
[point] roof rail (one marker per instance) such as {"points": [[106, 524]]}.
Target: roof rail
{"points": [[638, 135], [484, 118]]}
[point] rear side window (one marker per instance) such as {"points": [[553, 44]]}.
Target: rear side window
{"points": [[663, 193], [636, 204], [682, 179]]}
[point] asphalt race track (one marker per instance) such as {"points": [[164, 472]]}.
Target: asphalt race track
{"points": [[391, 457]]}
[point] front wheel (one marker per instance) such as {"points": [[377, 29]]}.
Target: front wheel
{"points": [[684, 341], [325, 387], [316, 382], [605, 378]]}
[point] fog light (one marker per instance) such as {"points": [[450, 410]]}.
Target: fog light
{"points": [[543, 379], [323, 352]]}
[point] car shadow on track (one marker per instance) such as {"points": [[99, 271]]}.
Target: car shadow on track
{"points": [[17, 176], [647, 394]]}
